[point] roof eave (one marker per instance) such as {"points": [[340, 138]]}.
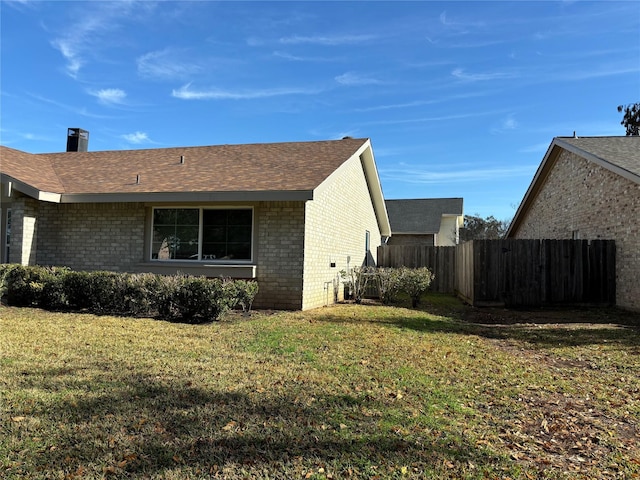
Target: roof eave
{"points": [[180, 197]]}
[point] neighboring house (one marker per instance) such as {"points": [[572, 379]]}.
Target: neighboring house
{"points": [[589, 188], [425, 221], [289, 215]]}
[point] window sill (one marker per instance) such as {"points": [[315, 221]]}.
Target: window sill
{"points": [[206, 269]]}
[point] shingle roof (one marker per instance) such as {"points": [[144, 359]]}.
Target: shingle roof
{"points": [[293, 166], [422, 215], [622, 152]]}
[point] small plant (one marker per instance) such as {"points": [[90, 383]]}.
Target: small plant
{"points": [[356, 279], [414, 282], [388, 284]]}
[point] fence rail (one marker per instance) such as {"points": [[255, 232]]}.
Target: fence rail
{"points": [[516, 272]]}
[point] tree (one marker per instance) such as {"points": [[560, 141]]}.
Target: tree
{"points": [[631, 119], [478, 228]]}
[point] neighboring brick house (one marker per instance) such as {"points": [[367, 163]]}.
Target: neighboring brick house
{"points": [[289, 215], [425, 221], [589, 188]]}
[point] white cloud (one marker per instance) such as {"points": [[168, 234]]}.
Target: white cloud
{"points": [[460, 74], [454, 175], [88, 33], [187, 93], [109, 96], [137, 137], [327, 40], [166, 64], [508, 124], [353, 79]]}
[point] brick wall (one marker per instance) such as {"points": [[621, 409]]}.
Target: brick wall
{"points": [[24, 231], [91, 236], [280, 237], [336, 221], [580, 198]]}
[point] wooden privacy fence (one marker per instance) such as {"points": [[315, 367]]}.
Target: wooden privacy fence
{"points": [[516, 272], [440, 260]]}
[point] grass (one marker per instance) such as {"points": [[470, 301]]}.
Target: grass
{"points": [[351, 391]]}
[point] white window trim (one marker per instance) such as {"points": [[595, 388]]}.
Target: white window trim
{"points": [[208, 261]]}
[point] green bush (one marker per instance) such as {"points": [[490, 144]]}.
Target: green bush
{"points": [[178, 297], [414, 282], [388, 280], [240, 293]]}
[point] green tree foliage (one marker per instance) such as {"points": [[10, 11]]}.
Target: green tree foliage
{"points": [[631, 118], [478, 228]]}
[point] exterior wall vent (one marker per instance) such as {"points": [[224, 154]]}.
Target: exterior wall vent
{"points": [[77, 140]]}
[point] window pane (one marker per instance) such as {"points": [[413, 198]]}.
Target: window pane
{"points": [[227, 234], [175, 234], [164, 216]]}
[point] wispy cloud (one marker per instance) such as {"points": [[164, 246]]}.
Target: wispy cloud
{"points": [[460, 74], [353, 79], [415, 175], [298, 58], [187, 93], [327, 40], [507, 124], [137, 138], [110, 96], [76, 111], [166, 64], [87, 33]]}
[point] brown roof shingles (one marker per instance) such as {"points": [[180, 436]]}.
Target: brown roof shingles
{"points": [[294, 166], [33, 170]]}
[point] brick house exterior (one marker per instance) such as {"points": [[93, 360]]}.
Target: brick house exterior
{"points": [[315, 208], [589, 188]]}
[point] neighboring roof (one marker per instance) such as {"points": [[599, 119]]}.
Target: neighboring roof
{"points": [[421, 215], [620, 155]]}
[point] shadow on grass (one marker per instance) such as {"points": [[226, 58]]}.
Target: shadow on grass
{"points": [[542, 327], [147, 427]]}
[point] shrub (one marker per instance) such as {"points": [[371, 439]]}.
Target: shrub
{"points": [[388, 280], [178, 297], [356, 279], [53, 295], [414, 282], [24, 285], [198, 298], [245, 293]]}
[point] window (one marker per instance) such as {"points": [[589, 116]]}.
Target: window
{"points": [[202, 234], [367, 247]]}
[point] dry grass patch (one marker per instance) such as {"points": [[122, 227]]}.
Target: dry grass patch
{"points": [[351, 391]]}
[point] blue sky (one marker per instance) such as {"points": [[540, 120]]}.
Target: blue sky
{"points": [[460, 99]]}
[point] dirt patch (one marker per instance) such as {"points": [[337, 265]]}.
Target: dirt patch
{"points": [[503, 316]]}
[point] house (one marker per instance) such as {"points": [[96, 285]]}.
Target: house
{"points": [[589, 188], [289, 215], [425, 221]]}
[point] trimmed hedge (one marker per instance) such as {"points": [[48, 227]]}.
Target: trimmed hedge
{"points": [[178, 297]]}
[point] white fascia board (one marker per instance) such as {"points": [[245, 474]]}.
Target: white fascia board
{"points": [[30, 191], [375, 188]]}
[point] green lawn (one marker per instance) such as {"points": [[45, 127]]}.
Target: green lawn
{"points": [[351, 391]]}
